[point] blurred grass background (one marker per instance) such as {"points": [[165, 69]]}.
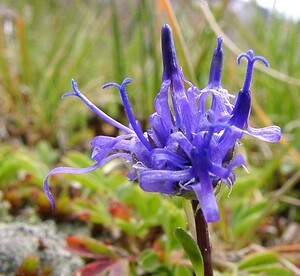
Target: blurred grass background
{"points": [[45, 44]]}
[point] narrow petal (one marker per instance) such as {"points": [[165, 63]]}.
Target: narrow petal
{"points": [[129, 113], [192, 98], [160, 132], [95, 109], [205, 194], [241, 110], [162, 107], [168, 51], [173, 73], [216, 66]]}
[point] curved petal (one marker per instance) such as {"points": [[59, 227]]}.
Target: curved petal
{"points": [[269, 134], [160, 132], [67, 170], [221, 105], [237, 161], [192, 98], [100, 153], [219, 171], [70, 170], [166, 156], [162, 181], [181, 140], [101, 142]]}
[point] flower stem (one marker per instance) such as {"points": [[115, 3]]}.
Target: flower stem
{"points": [[190, 217], [203, 238]]}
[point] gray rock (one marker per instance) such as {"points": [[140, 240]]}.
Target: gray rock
{"points": [[18, 240]]}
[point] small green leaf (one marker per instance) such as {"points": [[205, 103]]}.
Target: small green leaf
{"points": [[270, 270], [191, 249], [260, 258], [246, 217], [150, 261], [182, 270], [97, 212], [171, 217], [30, 265], [88, 247]]}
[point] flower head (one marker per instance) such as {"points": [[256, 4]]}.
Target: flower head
{"points": [[188, 149]]}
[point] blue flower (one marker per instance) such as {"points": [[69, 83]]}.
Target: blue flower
{"points": [[190, 146]]}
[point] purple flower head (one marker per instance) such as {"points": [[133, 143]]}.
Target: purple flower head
{"points": [[188, 149]]}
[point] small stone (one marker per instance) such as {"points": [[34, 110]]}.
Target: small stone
{"points": [[18, 240]]}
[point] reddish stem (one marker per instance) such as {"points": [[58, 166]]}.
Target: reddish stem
{"points": [[203, 238]]}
